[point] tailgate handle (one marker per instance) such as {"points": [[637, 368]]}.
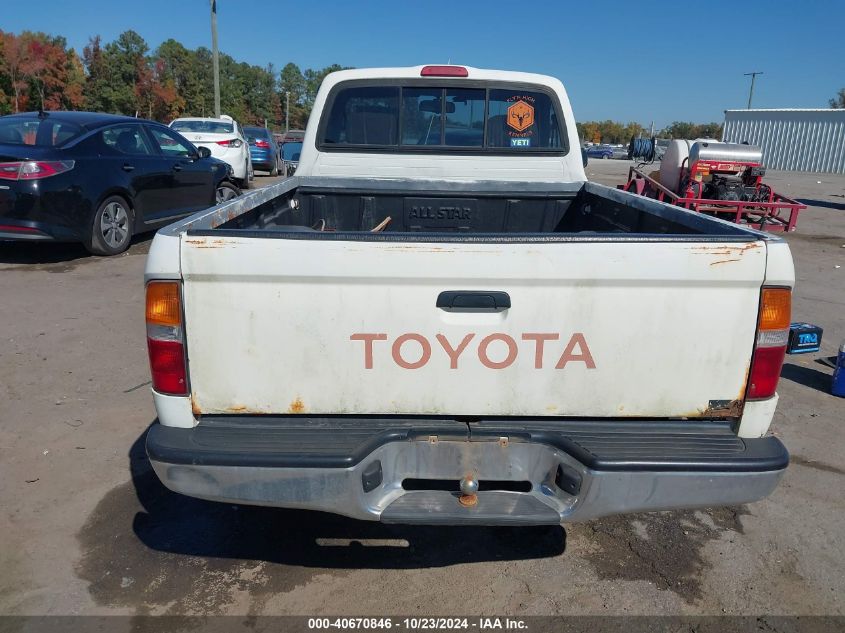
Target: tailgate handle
{"points": [[473, 301]]}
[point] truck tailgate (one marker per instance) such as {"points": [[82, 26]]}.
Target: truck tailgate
{"points": [[648, 328]]}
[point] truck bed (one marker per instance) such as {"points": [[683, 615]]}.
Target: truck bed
{"points": [[449, 211]]}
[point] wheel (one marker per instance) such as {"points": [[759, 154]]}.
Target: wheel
{"points": [[112, 227], [605, 156], [226, 191], [275, 170]]}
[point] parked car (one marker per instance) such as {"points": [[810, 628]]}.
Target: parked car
{"points": [[620, 152], [600, 151], [263, 150], [293, 135], [99, 178], [224, 137], [290, 156], [489, 337]]}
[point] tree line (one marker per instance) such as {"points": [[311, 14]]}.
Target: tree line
{"points": [[124, 76], [615, 133]]}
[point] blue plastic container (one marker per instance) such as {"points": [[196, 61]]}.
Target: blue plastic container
{"points": [[838, 386]]}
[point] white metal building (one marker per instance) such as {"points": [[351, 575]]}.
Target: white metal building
{"points": [[792, 139]]}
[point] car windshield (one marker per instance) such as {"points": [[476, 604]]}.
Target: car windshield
{"points": [[291, 151], [35, 131], [209, 127]]}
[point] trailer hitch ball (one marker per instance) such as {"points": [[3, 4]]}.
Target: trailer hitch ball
{"points": [[469, 490]]}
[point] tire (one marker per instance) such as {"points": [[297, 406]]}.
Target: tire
{"points": [[112, 227], [244, 183], [226, 191], [275, 171], [605, 156]]}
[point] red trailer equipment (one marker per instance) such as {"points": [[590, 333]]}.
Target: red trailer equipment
{"points": [[722, 179]]}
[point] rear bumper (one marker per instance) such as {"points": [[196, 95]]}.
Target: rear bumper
{"points": [[536, 472], [264, 160]]}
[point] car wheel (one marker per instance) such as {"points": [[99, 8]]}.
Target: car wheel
{"points": [[605, 156], [275, 170], [226, 191], [112, 227]]}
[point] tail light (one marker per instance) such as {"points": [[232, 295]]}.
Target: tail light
{"points": [[444, 71], [232, 142], [770, 347], [14, 228], [165, 338], [34, 169], [262, 143]]}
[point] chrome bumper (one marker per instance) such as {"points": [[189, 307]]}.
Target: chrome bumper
{"points": [[558, 487]]}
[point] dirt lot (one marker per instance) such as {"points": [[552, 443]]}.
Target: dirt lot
{"points": [[87, 528]]}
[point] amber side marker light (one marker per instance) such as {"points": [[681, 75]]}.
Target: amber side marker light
{"points": [[165, 338], [770, 346]]}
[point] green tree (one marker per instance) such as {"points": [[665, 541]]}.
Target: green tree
{"points": [[313, 79], [185, 70], [126, 60], [292, 82], [97, 83], [839, 100]]}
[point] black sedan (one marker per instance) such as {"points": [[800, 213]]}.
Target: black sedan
{"points": [[99, 178]]}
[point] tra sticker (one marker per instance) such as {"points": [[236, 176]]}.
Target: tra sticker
{"points": [[520, 142], [520, 116]]}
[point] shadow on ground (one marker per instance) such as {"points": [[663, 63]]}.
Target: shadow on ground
{"points": [[197, 553], [827, 204], [60, 256], [807, 376]]}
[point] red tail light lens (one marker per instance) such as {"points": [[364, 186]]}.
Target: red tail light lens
{"points": [[12, 228], [167, 366], [262, 143], [34, 169], [165, 339], [444, 71], [770, 347], [765, 372], [233, 142]]}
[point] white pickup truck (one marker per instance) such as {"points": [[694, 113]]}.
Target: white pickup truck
{"points": [[439, 320]]}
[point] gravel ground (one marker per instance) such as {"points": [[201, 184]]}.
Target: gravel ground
{"points": [[88, 529]]}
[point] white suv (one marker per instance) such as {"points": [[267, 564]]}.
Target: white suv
{"points": [[224, 137]]}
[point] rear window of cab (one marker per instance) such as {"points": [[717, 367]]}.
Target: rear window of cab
{"points": [[423, 118]]}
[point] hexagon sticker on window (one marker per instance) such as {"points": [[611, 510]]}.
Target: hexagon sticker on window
{"points": [[520, 116]]}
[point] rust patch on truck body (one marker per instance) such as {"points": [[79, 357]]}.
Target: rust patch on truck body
{"points": [[297, 406], [723, 409], [725, 249], [195, 405]]}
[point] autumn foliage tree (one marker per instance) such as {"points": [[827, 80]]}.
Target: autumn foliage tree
{"points": [[125, 77]]}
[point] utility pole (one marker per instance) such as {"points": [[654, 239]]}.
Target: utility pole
{"points": [[287, 111], [216, 59], [751, 91]]}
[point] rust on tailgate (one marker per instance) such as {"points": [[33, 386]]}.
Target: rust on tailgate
{"points": [[195, 405], [297, 406]]}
